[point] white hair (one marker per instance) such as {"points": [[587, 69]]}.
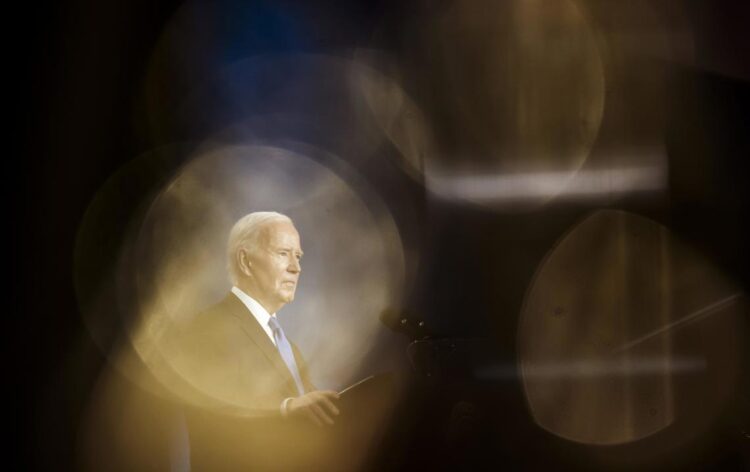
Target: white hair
{"points": [[245, 234]]}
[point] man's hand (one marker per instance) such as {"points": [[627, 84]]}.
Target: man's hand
{"points": [[319, 406]]}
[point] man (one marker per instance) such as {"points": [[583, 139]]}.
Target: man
{"points": [[235, 353], [256, 399]]}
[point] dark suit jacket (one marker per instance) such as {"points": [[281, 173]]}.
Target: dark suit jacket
{"points": [[241, 381], [227, 356]]}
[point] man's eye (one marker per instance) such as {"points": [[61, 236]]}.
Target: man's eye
{"points": [[283, 253]]}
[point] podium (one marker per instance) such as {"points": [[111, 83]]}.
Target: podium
{"points": [[229, 442]]}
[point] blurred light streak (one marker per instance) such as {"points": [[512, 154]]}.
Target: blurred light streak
{"points": [[514, 188], [695, 316], [179, 445], [592, 368]]}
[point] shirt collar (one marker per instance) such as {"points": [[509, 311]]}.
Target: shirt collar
{"points": [[255, 308]]}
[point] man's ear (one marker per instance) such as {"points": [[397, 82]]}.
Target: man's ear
{"points": [[243, 262]]}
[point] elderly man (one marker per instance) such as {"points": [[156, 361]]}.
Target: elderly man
{"points": [[236, 351]]}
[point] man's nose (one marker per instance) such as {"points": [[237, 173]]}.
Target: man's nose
{"points": [[294, 266]]}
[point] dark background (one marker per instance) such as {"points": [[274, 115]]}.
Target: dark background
{"points": [[76, 68]]}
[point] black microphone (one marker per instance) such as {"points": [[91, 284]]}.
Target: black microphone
{"points": [[404, 322]]}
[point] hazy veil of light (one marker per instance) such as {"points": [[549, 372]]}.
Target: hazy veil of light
{"points": [[352, 269]]}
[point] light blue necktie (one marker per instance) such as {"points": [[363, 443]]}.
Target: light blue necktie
{"points": [[285, 349]]}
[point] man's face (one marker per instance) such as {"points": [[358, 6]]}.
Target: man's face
{"points": [[275, 265]]}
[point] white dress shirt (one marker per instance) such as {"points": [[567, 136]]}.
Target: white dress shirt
{"points": [[257, 310], [262, 316]]}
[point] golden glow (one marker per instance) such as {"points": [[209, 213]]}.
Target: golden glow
{"points": [[173, 265]]}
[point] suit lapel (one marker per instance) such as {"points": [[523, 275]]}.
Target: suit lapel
{"points": [[302, 366], [254, 331]]}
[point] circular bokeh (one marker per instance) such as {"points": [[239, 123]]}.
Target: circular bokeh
{"points": [[352, 270], [625, 331]]}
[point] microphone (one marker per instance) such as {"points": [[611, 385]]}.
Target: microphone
{"points": [[404, 322]]}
